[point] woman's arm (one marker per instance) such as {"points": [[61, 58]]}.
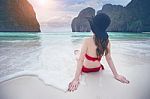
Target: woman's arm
{"points": [[112, 66], [74, 84], [110, 61]]}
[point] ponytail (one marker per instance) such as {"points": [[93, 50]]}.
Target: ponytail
{"points": [[101, 46]]}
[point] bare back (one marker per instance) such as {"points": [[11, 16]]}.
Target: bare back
{"points": [[91, 51]]}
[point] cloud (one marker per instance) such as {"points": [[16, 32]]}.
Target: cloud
{"points": [[59, 13], [62, 20], [76, 6]]}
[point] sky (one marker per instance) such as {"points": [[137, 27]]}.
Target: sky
{"points": [[59, 13]]}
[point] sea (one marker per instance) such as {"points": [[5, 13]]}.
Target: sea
{"points": [[50, 55]]}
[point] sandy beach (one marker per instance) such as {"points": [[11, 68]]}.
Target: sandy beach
{"points": [[131, 58], [100, 85]]}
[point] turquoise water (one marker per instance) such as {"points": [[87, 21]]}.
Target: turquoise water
{"points": [[42, 53], [33, 36]]}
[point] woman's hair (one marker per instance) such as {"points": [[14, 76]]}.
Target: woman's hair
{"points": [[101, 46], [99, 24]]}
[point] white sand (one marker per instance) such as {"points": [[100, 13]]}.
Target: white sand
{"points": [[99, 85]]}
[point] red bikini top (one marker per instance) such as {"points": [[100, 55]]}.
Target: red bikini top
{"points": [[92, 58]]}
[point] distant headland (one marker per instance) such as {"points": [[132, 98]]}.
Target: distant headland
{"points": [[135, 17]]}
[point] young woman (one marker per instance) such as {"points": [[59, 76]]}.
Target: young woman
{"points": [[93, 49]]}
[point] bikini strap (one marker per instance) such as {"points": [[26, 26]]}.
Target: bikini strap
{"points": [[92, 58]]}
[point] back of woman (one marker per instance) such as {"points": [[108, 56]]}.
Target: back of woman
{"points": [[93, 49]]}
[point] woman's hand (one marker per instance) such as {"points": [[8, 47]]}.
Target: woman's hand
{"points": [[73, 85], [121, 79]]}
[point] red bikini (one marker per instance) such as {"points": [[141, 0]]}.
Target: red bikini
{"points": [[87, 70]]}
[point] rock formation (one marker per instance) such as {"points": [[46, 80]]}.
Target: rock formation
{"points": [[81, 23], [17, 15], [135, 17]]}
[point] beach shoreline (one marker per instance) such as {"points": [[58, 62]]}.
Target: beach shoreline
{"points": [[131, 58], [99, 85]]}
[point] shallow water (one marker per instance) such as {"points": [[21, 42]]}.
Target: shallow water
{"points": [[50, 55]]}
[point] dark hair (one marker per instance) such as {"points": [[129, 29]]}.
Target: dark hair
{"points": [[99, 24], [101, 46]]}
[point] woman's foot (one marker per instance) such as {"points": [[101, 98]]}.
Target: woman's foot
{"points": [[76, 52]]}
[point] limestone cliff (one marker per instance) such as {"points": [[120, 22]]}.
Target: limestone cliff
{"points": [[135, 17], [81, 23], [17, 15]]}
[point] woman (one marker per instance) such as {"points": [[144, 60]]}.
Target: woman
{"points": [[93, 49]]}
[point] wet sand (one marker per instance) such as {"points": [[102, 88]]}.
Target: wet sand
{"points": [[131, 59], [100, 85]]}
